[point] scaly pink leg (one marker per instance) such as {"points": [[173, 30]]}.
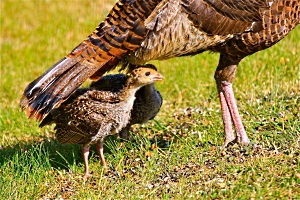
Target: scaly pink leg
{"points": [[85, 152], [226, 90], [229, 136], [100, 151], [224, 76]]}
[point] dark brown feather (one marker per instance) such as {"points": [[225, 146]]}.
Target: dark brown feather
{"points": [[137, 31]]}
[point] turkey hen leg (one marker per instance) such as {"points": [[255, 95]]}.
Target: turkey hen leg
{"points": [[224, 77], [226, 119]]}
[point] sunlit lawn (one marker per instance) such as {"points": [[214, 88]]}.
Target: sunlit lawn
{"points": [[175, 156]]}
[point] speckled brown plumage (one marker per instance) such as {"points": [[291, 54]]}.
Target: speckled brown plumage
{"points": [[147, 102], [137, 31], [91, 115]]}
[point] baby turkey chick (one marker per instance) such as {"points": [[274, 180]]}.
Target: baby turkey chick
{"points": [[91, 115], [147, 102]]}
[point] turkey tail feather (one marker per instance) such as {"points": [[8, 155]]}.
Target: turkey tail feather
{"points": [[123, 30], [55, 86]]}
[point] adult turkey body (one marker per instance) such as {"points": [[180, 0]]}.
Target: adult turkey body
{"points": [[137, 31]]}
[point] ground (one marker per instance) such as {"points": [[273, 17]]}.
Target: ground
{"points": [[177, 155]]}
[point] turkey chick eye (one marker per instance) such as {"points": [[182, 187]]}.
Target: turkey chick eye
{"points": [[147, 73]]}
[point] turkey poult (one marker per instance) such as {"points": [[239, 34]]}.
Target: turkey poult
{"points": [[137, 31], [91, 115], [147, 101]]}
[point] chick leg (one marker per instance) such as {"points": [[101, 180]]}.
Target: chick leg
{"points": [[101, 154], [85, 153], [124, 133]]}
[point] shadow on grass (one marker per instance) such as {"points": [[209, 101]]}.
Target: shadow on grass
{"points": [[48, 152]]}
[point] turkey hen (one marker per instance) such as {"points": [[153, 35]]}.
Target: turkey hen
{"points": [[137, 31], [146, 104], [91, 115]]}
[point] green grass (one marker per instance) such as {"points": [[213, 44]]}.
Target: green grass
{"points": [[186, 162]]}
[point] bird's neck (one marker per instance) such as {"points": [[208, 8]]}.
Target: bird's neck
{"points": [[149, 89], [130, 88]]}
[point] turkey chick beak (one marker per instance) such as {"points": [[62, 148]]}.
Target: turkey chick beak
{"points": [[158, 77]]}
